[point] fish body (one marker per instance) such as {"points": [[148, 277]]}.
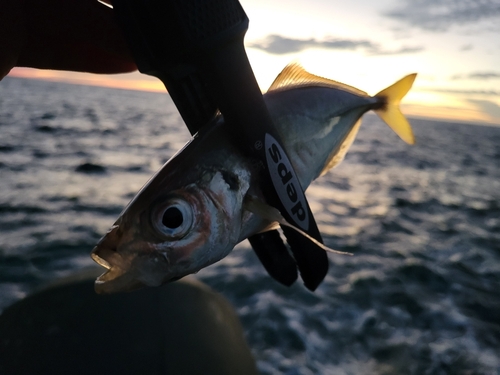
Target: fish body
{"points": [[206, 198]]}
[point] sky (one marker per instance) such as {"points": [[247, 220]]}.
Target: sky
{"points": [[453, 45]]}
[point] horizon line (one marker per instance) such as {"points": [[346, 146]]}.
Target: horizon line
{"points": [[141, 82]]}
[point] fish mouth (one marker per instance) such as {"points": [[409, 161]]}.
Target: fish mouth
{"points": [[117, 277], [128, 265], [112, 271]]}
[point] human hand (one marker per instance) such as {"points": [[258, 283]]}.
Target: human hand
{"points": [[77, 35]]}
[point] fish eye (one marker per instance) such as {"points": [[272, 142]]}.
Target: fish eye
{"points": [[174, 218]]}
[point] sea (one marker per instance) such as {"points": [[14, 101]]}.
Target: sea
{"points": [[420, 295]]}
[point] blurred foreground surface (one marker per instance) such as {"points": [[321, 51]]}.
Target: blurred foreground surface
{"points": [[421, 295], [183, 329]]}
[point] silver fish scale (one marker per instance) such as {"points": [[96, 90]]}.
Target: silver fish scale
{"points": [[312, 120]]}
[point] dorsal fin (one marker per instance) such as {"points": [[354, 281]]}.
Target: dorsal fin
{"points": [[294, 75]]}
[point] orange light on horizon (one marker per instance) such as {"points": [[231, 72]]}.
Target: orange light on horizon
{"points": [[129, 81], [450, 114]]}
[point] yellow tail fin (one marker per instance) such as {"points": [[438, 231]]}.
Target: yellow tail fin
{"points": [[391, 114]]}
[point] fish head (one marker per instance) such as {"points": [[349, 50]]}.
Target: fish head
{"points": [[185, 218]]}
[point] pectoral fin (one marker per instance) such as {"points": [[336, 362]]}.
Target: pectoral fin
{"points": [[270, 213], [274, 256], [309, 253]]}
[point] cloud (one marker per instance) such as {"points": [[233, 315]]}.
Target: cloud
{"points": [[467, 47], [461, 91], [489, 107], [400, 51], [280, 45], [477, 75], [440, 15]]}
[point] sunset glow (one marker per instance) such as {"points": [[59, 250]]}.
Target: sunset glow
{"points": [[131, 81]]}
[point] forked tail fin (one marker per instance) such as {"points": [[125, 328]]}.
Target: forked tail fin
{"points": [[391, 114]]}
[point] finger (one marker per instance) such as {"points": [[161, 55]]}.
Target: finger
{"points": [[11, 30]]}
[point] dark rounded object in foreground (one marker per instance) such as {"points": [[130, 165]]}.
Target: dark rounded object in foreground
{"points": [[180, 328]]}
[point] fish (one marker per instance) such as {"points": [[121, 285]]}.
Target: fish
{"points": [[207, 197]]}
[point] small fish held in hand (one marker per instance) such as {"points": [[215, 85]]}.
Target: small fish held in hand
{"points": [[206, 198]]}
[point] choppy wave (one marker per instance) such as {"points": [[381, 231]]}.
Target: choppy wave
{"points": [[421, 295]]}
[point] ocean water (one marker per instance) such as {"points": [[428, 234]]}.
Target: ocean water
{"points": [[421, 295]]}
